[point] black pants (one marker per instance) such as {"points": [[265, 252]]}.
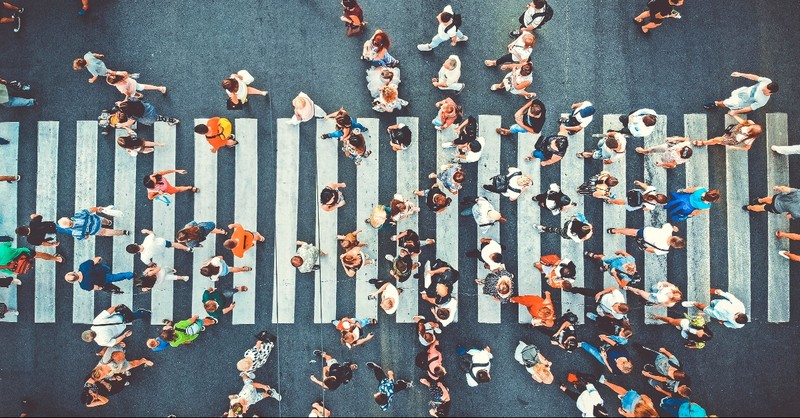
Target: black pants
{"points": [[492, 189], [556, 230], [585, 291], [505, 59], [399, 384], [580, 385]]}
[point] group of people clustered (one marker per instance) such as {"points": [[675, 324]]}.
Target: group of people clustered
{"points": [[664, 372]]}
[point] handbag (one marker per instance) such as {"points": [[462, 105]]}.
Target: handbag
{"points": [[730, 128], [500, 183], [234, 106], [20, 265]]}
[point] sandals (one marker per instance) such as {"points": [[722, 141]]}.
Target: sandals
{"points": [[579, 155], [610, 231], [195, 189], [503, 131], [16, 179], [699, 143]]}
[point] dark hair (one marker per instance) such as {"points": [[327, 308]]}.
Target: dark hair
{"points": [[343, 119], [563, 201], [566, 285], [400, 265], [129, 142], [201, 129], [443, 313], [475, 146], [446, 16], [209, 270], [349, 3], [539, 3], [381, 399], [570, 344], [190, 233], [22, 230], [684, 391], [482, 376], [230, 84], [600, 411], [229, 244], [458, 176], [623, 308], [611, 181], [773, 87], [326, 195], [145, 281], [741, 318], [381, 40], [711, 196], [114, 78], [679, 375], [580, 229], [649, 120], [678, 242], [537, 109], [567, 272], [148, 181], [86, 396], [357, 141], [561, 143], [132, 248], [496, 257], [686, 153], [526, 68], [167, 334], [612, 142], [661, 199], [438, 371]]}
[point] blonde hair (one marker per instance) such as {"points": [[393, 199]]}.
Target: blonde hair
{"points": [[389, 93], [244, 364], [543, 373], [71, 277]]}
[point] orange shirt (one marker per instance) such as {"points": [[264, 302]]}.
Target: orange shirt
{"points": [[534, 303], [245, 240], [219, 129]]}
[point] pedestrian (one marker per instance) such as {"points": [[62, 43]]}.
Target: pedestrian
{"points": [[612, 354], [84, 8], [318, 410], [15, 18], [380, 77], [785, 200], [346, 125], [304, 110], [737, 136], [611, 302], [242, 240], [331, 198], [155, 275], [729, 310], [93, 275], [388, 100], [447, 114], [184, 332], [446, 312], [662, 293], [644, 197], [334, 374], [792, 237], [536, 14], [576, 228], [639, 123], [353, 18], [237, 86], [633, 404], [529, 118], [449, 75], [128, 85], [113, 362], [690, 202], [471, 153], [97, 68], [353, 259], [158, 186], [402, 265], [256, 357], [655, 240], [426, 330], [666, 375], [435, 198], [694, 329], [376, 50], [610, 148], [218, 132], [682, 407], [251, 393], [401, 208], [349, 241], [550, 149], [132, 111], [389, 295], [153, 247], [39, 232], [450, 176], [519, 51], [220, 302], [96, 392], [355, 147], [477, 364], [748, 98], [431, 362], [490, 252], [657, 11], [484, 213], [216, 267], [535, 363], [581, 116], [387, 386], [518, 80], [448, 30], [399, 136], [510, 185], [6, 99], [554, 200], [467, 132], [88, 222], [108, 327], [559, 273], [306, 259], [440, 404], [438, 280], [134, 145], [599, 186], [352, 328], [540, 308], [587, 398], [194, 233], [562, 333], [498, 284], [621, 266]]}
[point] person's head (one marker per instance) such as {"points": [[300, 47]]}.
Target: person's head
{"points": [[118, 356], [441, 200], [545, 312], [188, 233], [230, 84], [711, 196], [150, 180], [229, 244], [539, 3], [237, 409], [583, 231], [741, 318], [686, 153], [483, 376], [65, 222], [566, 285], [152, 343], [387, 74], [771, 89], [145, 281], [450, 64], [611, 181], [133, 248], [629, 268], [544, 373], [428, 337], [626, 331], [645, 408], [649, 120], [381, 399], [349, 4], [559, 143], [659, 198], [677, 242], [439, 371], [567, 271], [621, 308], [348, 337], [114, 78], [442, 290], [448, 109], [327, 196], [210, 306], [571, 343], [299, 102], [389, 93], [535, 110], [71, 277], [167, 334], [475, 146], [297, 261], [201, 129], [209, 270], [401, 265], [679, 375], [23, 231], [244, 364], [496, 257], [504, 286], [88, 396], [612, 142], [525, 181], [343, 119], [443, 314], [381, 40], [88, 336], [349, 259], [624, 365], [529, 39], [526, 69], [78, 64], [446, 16], [357, 141], [387, 304], [458, 176]]}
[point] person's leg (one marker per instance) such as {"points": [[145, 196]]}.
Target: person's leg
{"points": [[516, 129], [152, 87], [9, 179], [788, 235], [108, 232], [48, 257], [253, 90], [9, 6], [667, 320], [642, 16], [786, 149], [239, 269], [672, 405], [169, 120], [453, 86], [790, 256], [466, 212], [19, 102], [377, 370], [630, 232], [569, 392], [181, 189], [400, 385], [436, 41], [116, 277], [505, 59], [616, 388], [585, 291], [592, 350]]}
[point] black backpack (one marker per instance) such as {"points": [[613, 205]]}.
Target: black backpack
{"points": [[548, 15]]}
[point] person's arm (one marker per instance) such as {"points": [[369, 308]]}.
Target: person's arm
{"points": [[97, 260], [229, 308], [100, 400], [319, 382], [751, 77], [122, 337], [655, 377], [604, 355], [379, 291], [365, 339], [603, 292], [668, 165], [554, 159]]}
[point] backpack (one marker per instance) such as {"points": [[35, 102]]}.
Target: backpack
{"points": [[20, 265], [530, 355], [635, 198], [547, 16]]}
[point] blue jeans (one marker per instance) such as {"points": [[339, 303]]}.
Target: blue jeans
{"points": [[437, 121], [596, 353], [437, 40], [339, 134], [118, 277], [386, 61], [516, 129], [19, 102], [672, 405], [467, 212], [361, 321]]}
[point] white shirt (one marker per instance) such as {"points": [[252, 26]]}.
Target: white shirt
{"points": [[658, 237], [480, 211], [216, 262], [470, 156], [726, 310], [518, 48], [153, 247], [493, 247], [478, 357], [391, 293], [665, 292], [106, 335], [612, 154], [529, 12], [588, 399], [636, 124], [513, 182], [450, 77], [441, 31], [608, 300], [584, 121], [650, 190], [451, 305]]}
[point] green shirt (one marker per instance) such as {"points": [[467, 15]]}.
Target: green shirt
{"points": [[185, 337], [218, 297], [8, 254]]}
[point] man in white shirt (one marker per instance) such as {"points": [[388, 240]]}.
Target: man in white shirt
{"points": [[108, 328], [490, 252], [153, 247], [472, 153], [449, 24], [611, 302], [484, 213], [653, 240], [535, 16], [729, 311], [749, 98], [582, 115], [610, 148], [519, 51], [676, 151], [640, 123], [479, 364]]}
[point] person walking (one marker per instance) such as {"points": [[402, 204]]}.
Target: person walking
{"points": [[612, 354], [510, 185], [536, 14], [7, 100], [576, 228], [376, 50], [387, 386], [634, 405], [128, 85], [554, 200], [435, 198], [792, 237], [158, 186], [88, 222], [388, 293], [587, 398], [216, 267], [218, 132], [621, 266], [450, 176], [728, 310], [581, 116], [153, 247], [109, 326], [256, 357], [676, 151], [639, 123], [785, 200], [388, 101], [237, 86], [748, 98], [251, 393], [194, 233], [529, 118], [334, 374], [448, 30], [535, 363], [694, 329], [39, 232], [184, 332], [610, 148], [449, 75], [662, 293], [353, 259], [690, 202], [353, 18], [306, 259], [540, 308], [380, 77], [346, 125], [559, 273], [16, 261], [644, 197], [304, 110], [550, 149], [656, 240], [93, 275], [134, 145], [352, 328], [657, 11], [498, 284], [447, 114], [399, 136], [599, 186], [471, 153], [611, 302], [517, 81], [155, 275], [132, 111], [97, 68], [220, 302], [739, 136], [490, 252], [242, 240], [331, 198], [477, 364], [484, 213], [519, 51]]}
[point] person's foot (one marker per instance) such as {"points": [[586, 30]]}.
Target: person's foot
{"points": [[460, 89], [324, 136], [712, 290], [784, 254], [464, 38], [641, 150], [687, 304], [126, 232], [588, 254], [514, 34], [247, 268], [81, 12], [14, 180], [490, 63], [195, 190], [495, 87], [709, 105], [173, 121], [371, 365], [134, 75], [243, 288], [539, 228], [610, 231], [601, 379], [389, 257], [591, 316], [447, 145], [424, 47], [17, 23], [746, 208], [318, 353], [637, 20], [503, 131]]}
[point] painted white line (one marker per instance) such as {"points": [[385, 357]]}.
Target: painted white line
{"points": [[614, 215], [777, 267], [246, 214], [738, 190], [529, 280], [124, 200], [447, 221], [572, 176], [407, 182], [326, 278], [9, 156], [205, 209], [489, 166], [655, 266], [698, 230], [286, 195], [367, 176], [85, 197], [46, 199], [161, 298]]}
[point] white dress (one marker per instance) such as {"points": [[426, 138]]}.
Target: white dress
{"points": [[375, 82]]}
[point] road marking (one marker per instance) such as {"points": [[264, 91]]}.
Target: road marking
{"points": [[737, 176], [124, 200], [614, 215], [46, 199], [655, 266], [367, 175], [529, 280], [698, 230], [205, 209], [777, 267], [572, 175], [326, 278], [85, 197], [407, 183], [245, 213], [286, 195], [9, 156], [489, 166], [161, 297], [447, 221]]}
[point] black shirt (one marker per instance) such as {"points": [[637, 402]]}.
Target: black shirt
{"points": [[410, 242], [545, 146], [535, 123], [436, 191], [132, 108], [40, 231], [661, 7], [338, 374], [403, 275], [400, 136], [468, 133]]}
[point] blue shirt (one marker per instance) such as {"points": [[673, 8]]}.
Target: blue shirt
{"points": [[93, 274], [386, 387], [85, 223], [630, 400], [162, 345], [205, 229], [617, 262], [696, 199], [446, 177]]}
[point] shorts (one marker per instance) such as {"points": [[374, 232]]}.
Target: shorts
{"points": [[331, 362]]}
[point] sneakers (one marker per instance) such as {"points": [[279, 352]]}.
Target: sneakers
{"points": [[274, 394], [425, 47], [591, 316], [539, 228], [134, 75], [784, 254], [464, 38], [19, 85], [447, 145], [389, 258], [318, 353], [709, 105], [713, 291], [563, 120], [601, 379], [371, 365], [514, 34], [17, 20], [687, 304]]}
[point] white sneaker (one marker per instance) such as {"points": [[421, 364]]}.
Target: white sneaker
{"points": [[133, 75], [540, 228], [425, 47], [687, 304], [784, 254], [464, 38], [447, 145], [389, 257]]}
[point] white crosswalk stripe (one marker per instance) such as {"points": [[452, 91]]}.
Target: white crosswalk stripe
{"points": [[614, 215], [365, 194]]}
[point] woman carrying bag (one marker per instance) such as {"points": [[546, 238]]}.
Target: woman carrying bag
{"points": [[686, 203], [238, 87]]}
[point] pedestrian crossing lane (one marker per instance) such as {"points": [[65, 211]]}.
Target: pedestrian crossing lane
{"points": [[572, 176], [85, 197], [9, 155], [205, 178], [124, 200], [737, 175], [367, 176], [162, 296], [655, 266], [407, 182], [326, 278], [698, 229], [528, 279], [245, 213], [46, 198], [488, 166], [778, 280], [447, 221], [614, 216], [286, 197]]}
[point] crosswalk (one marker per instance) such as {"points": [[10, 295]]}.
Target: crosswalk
{"points": [[293, 173]]}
